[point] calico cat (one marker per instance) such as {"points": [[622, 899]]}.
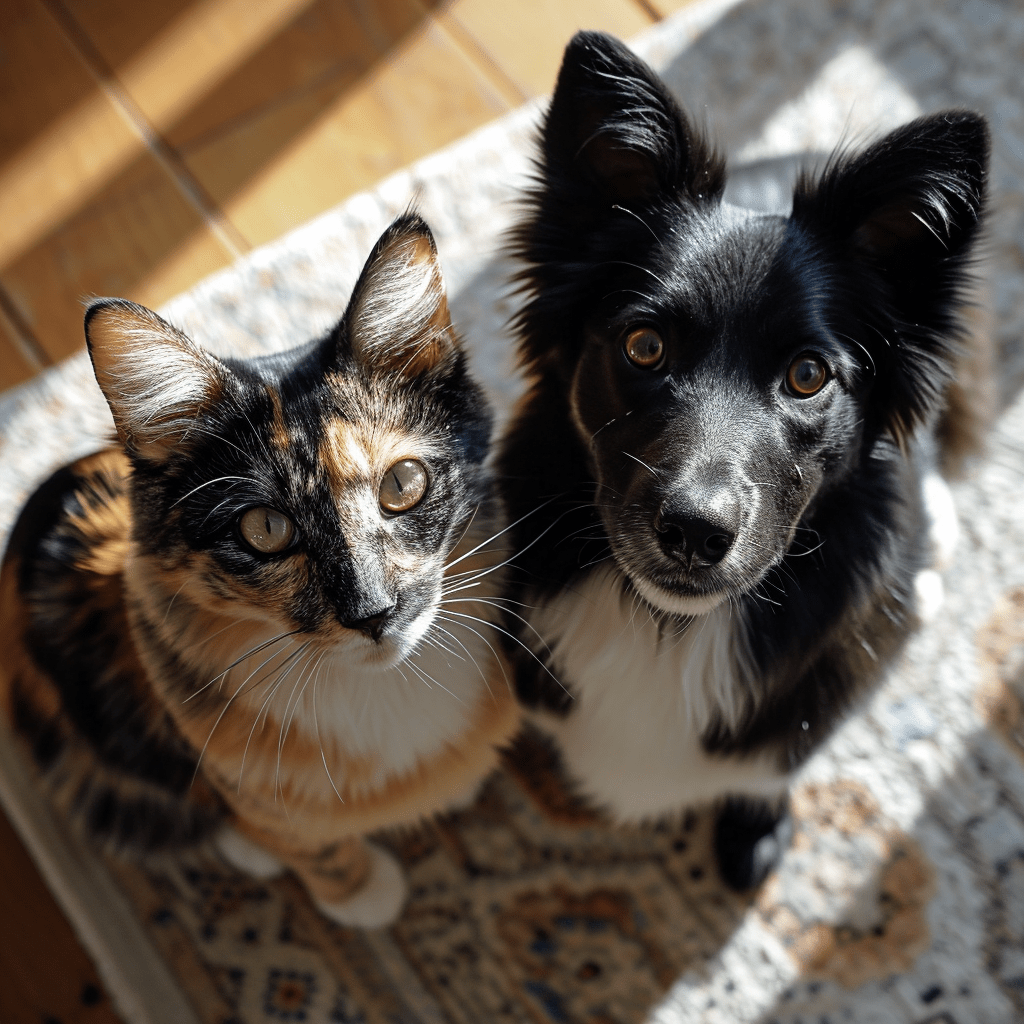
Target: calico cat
{"points": [[265, 616], [723, 475]]}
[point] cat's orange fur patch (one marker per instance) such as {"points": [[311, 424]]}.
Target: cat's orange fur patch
{"points": [[286, 786], [278, 431], [357, 454]]}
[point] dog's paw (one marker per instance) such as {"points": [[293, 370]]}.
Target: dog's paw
{"points": [[943, 525], [245, 855], [378, 902], [929, 594], [750, 838]]}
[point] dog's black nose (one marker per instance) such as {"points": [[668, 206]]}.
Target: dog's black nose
{"points": [[685, 532], [372, 625]]}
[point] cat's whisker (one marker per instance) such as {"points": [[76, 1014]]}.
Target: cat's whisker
{"points": [[224, 710], [219, 437], [248, 654], [439, 644], [286, 725], [218, 507], [259, 437], [283, 669], [596, 561], [498, 659], [469, 653], [208, 483], [170, 604], [495, 536], [490, 597], [468, 526], [425, 675], [223, 629], [319, 741], [419, 672], [507, 611], [516, 639]]}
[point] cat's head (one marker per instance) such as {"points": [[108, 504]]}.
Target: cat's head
{"points": [[321, 489]]}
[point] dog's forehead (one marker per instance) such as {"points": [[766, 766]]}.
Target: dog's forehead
{"points": [[732, 266]]}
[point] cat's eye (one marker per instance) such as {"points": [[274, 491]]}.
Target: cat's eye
{"points": [[403, 486], [807, 375], [266, 530], [644, 347]]}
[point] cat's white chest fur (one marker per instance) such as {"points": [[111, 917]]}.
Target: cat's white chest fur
{"points": [[403, 715], [631, 740]]}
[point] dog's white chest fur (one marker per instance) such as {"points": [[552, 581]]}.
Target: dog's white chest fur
{"points": [[643, 696]]}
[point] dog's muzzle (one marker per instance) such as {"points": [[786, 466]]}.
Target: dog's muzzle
{"points": [[697, 528]]}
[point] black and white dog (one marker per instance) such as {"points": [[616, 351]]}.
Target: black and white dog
{"points": [[724, 525]]}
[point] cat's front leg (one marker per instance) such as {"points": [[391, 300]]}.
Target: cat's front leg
{"points": [[356, 884], [353, 882]]}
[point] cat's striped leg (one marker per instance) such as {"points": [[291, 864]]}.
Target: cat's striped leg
{"points": [[356, 883], [351, 881]]}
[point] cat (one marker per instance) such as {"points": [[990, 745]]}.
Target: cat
{"points": [[723, 474], [264, 618]]}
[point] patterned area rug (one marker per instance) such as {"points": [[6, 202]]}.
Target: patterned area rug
{"points": [[901, 900]]}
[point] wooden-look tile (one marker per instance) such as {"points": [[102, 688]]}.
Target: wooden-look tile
{"points": [[198, 68], [60, 138], [46, 974], [297, 158], [136, 237], [526, 39], [664, 8]]}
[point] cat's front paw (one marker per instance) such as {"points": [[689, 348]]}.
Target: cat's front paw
{"points": [[245, 855], [378, 902], [750, 837]]}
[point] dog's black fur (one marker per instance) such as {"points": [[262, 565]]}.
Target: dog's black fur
{"points": [[709, 474]]}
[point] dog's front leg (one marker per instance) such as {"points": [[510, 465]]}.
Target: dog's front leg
{"points": [[751, 834]]}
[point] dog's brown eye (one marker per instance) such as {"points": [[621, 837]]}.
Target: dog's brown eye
{"points": [[266, 530], [403, 486], [806, 375], [644, 347]]}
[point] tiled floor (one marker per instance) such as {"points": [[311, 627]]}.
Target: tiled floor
{"points": [[144, 145]]}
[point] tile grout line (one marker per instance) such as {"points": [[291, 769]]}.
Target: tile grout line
{"points": [[21, 333], [512, 92], [650, 10], [166, 156]]}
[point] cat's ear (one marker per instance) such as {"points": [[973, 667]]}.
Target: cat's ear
{"points": [[907, 211], [398, 319], [614, 133], [156, 381]]}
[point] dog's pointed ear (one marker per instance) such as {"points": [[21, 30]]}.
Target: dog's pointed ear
{"points": [[155, 380], [615, 130], [917, 194], [907, 211], [398, 318]]}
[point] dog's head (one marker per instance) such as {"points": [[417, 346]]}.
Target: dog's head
{"points": [[725, 370]]}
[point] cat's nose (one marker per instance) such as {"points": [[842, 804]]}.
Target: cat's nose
{"points": [[373, 625]]}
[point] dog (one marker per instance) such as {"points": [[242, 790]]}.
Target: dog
{"points": [[723, 473]]}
